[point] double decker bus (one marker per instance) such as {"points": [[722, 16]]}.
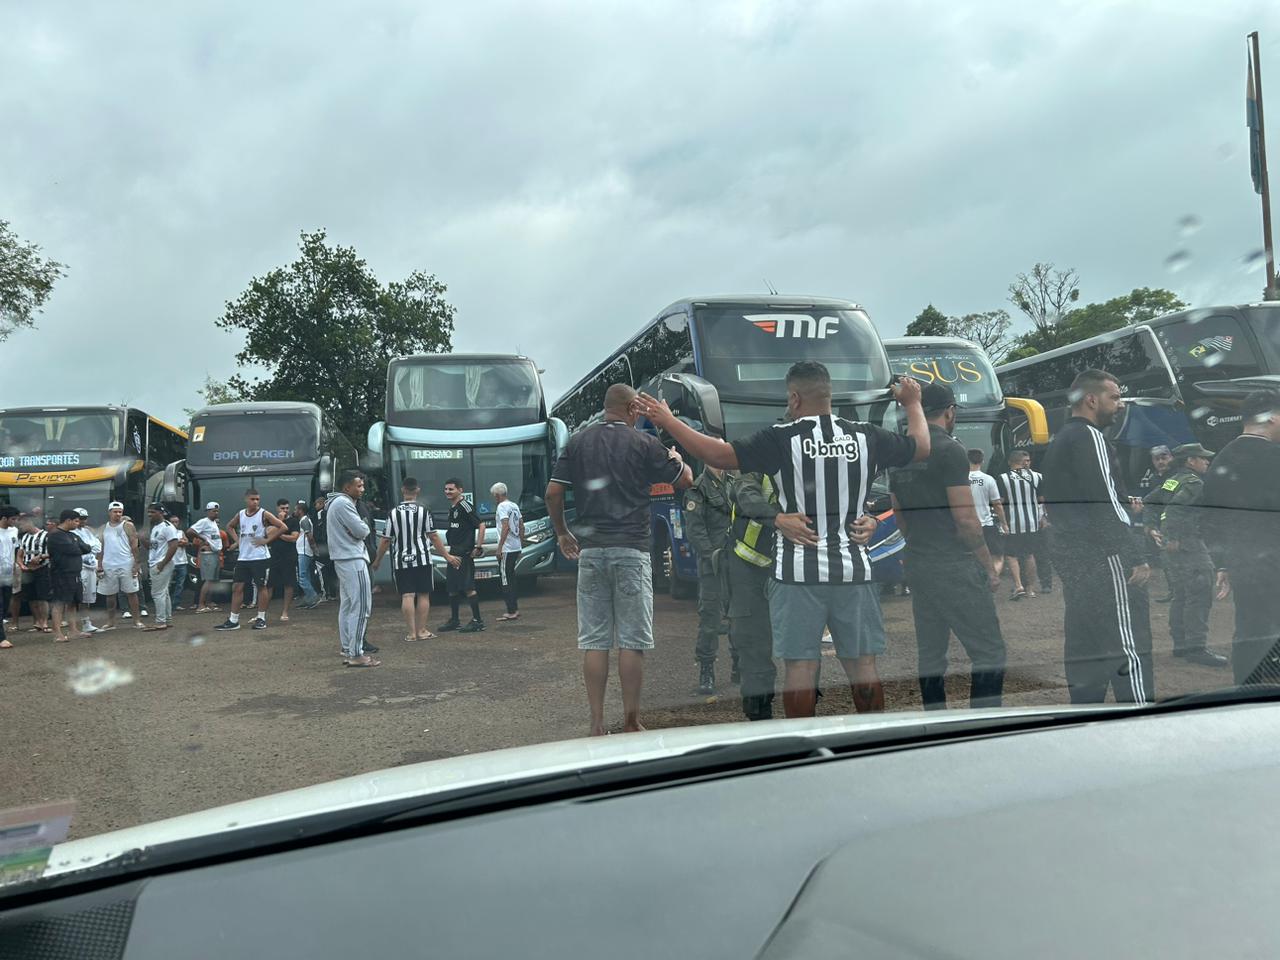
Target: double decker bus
{"points": [[480, 419], [56, 458], [742, 346], [282, 449], [1183, 376]]}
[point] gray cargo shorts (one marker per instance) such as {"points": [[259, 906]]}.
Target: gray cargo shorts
{"points": [[800, 611], [615, 599]]}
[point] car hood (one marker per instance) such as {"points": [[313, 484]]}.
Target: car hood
{"points": [[498, 768]]}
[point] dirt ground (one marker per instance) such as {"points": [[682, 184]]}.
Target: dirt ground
{"points": [[210, 718]]}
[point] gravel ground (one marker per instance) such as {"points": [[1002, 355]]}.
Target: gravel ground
{"points": [[211, 718]]}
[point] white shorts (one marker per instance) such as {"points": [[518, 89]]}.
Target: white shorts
{"points": [[117, 580], [88, 584]]}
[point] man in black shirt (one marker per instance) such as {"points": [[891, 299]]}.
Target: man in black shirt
{"points": [[465, 537], [611, 466], [1099, 553], [822, 467], [948, 564], [66, 558], [1241, 523], [282, 573]]}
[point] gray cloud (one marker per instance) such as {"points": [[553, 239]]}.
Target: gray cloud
{"points": [[570, 169]]}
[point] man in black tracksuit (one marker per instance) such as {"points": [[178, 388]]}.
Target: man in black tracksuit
{"points": [[1099, 553]]}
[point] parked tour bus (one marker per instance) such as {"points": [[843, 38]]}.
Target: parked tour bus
{"points": [[1182, 375], [55, 458], [736, 350], [481, 419], [282, 449]]}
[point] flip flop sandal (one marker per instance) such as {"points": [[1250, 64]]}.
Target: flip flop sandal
{"points": [[427, 636], [506, 617], [283, 620], [364, 662], [61, 639]]}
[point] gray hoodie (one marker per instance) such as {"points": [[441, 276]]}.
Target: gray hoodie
{"points": [[345, 528]]}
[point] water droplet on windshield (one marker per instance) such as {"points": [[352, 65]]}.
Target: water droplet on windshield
{"points": [[1178, 260], [1198, 316], [1213, 359], [1199, 412], [89, 677], [1226, 151], [1189, 225], [197, 640], [1253, 260], [597, 483], [1073, 397]]}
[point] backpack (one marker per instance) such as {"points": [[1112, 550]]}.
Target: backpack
{"points": [[321, 532]]}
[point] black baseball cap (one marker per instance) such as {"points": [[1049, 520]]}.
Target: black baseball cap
{"points": [[936, 397], [68, 514]]}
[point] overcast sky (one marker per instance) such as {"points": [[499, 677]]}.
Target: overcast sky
{"points": [[567, 169]]}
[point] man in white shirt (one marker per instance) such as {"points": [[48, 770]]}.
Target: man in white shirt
{"points": [[208, 536], [990, 506], [89, 568], [118, 566], [8, 566], [251, 531], [510, 539], [163, 544], [306, 556]]}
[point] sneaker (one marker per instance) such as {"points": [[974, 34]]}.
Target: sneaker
{"points": [[259, 623], [706, 678], [144, 612], [127, 615], [179, 608], [227, 625], [370, 648], [448, 625], [475, 626], [1018, 595]]}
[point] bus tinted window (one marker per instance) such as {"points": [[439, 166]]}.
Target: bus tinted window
{"points": [[966, 371], [666, 347], [1213, 348], [1132, 357], [457, 395], [747, 350], [22, 434], [1265, 323], [247, 439]]}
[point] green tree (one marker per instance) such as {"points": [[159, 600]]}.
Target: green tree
{"points": [[323, 330], [26, 280], [214, 391], [1044, 294], [1137, 306], [931, 322]]}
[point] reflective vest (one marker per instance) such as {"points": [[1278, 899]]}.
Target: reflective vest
{"points": [[752, 541]]}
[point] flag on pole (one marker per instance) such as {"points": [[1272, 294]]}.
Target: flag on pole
{"points": [[1255, 130]]}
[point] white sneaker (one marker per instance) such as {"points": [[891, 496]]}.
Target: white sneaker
{"points": [[826, 637], [127, 615], [144, 612]]}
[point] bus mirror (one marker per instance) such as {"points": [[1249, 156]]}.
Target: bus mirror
{"points": [[174, 488], [559, 435], [325, 474], [696, 399], [374, 440], [1037, 422]]}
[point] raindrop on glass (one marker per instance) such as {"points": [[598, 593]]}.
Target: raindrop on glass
{"points": [[197, 640], [1178, 260], [1226, 151], [89, 677], [597, 483], [1189, 225], [1199, 412], [1197, 316], [1074, 396], [1213, 359], [1253, 260]]}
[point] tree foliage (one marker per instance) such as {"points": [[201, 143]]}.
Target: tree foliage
{"points": [[931, 322], [323, 330], [1137, 306], [214, 391], [988, 328], [26, 281], [1044, 294]]}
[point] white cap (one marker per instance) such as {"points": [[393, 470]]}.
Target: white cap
{"points": [[115, 505], [211, 505], [81, 511]]}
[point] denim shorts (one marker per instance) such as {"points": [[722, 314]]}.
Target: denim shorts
{"points": [[800, 611], [615, 599]]}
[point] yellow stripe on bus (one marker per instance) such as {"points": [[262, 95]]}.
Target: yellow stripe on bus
{"points": [[49, 479], [157, 420]]}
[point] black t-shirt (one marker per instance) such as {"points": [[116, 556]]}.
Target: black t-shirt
{"points": [[1240, 506], [921, 491], [282, 549], [611, 467], [463, 524], [66, 551], [823, 467]]}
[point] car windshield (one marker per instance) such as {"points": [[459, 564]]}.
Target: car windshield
{"points": [[668, 290]]}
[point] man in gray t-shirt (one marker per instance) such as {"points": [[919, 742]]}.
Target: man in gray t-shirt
{"points": [[611, 467]]}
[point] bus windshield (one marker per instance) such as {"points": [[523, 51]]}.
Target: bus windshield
{"points": [[228, 492], [256, 440], [523, 467], [52, 500], [29, 434], [746, 350], [965, 370], [453, 394]]}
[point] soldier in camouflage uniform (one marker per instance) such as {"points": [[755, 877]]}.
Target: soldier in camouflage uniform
{"points": [[746, 565], [706, 522], [1190, 567]]}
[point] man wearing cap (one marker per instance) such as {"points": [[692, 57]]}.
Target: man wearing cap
{"points": [[163, 544], [1154, 497], [118, 566], [1190, 568], [948, 564], [207, 536], [88, 569]]}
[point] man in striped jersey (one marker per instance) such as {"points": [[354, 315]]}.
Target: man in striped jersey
{"points": [[823, 467], [1020, 489], [408, 535], [1098, 552]]}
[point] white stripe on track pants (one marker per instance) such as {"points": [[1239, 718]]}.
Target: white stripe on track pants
{"points": [[356, 604]]}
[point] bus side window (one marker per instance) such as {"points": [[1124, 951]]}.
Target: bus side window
{"points": [[1213, 349]]}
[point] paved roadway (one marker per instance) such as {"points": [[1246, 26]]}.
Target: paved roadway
{"points": [[211, 718]]}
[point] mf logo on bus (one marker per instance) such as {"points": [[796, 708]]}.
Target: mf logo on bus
{"points": [[795, 325], [846, 447]]}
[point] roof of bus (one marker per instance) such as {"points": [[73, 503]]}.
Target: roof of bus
{"points": [[930, 342], [468, 357], [1125, 331], [261, 406], [66, 407]]}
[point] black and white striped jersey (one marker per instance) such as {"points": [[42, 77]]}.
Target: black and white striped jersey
{"points": [[409, 530], [1020, 490], [823, 467], [34, 544]]}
